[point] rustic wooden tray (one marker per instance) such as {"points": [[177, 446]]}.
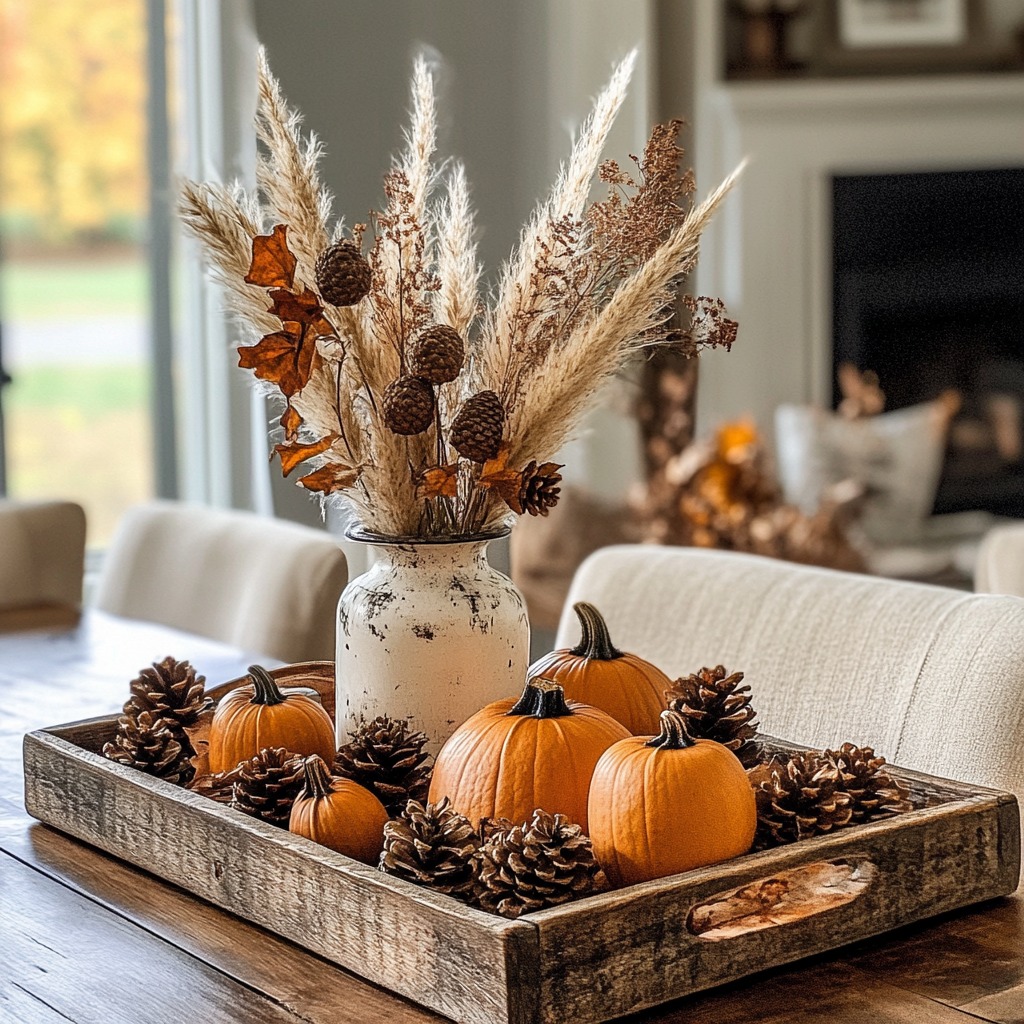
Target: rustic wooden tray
{"points": [[593, 960]]}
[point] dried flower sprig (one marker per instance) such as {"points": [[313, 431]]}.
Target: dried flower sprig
{"points": [[426, 413]]}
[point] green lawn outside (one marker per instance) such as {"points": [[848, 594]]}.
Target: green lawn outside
{"points": [[72, 288], [92, 390]]}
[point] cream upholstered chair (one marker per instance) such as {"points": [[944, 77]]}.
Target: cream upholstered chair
{"points": [[932, 678], [261, 584], [1000, 565], [42, 563]]}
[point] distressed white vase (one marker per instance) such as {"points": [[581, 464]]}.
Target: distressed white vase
{"points": [[431, 633]]}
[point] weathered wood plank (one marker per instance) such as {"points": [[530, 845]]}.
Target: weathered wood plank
{"points": [[421, 945], [830, 992], [314, 989], [621, 952], [60, 961]]}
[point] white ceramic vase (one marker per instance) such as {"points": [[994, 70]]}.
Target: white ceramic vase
{"points": [[430, 633]]}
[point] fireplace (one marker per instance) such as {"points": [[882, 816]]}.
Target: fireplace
{"points": [[928, 292]]}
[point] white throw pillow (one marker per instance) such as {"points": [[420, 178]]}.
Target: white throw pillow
{"points": [[897, 456]]}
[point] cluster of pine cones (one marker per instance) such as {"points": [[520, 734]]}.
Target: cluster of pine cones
{"points": [[166, 700], [504, 868], [798, 795], [435, 357]]}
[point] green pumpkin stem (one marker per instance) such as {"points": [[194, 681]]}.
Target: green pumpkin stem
{"points": [[542, 698], [673, 735], [595, 642], [318, 778], [265, 690]]}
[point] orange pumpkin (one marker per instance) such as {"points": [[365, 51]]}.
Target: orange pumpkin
{"points": [[338, 813], [629, 688], [515, 756], [250, 718], [667, 804]]}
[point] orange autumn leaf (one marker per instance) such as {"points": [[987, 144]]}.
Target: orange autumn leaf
{"points": [[273, 265], [438, 482], [507, 483], [293, 454], [303, 308], [284, 358], [291, 421], [335, 476]]}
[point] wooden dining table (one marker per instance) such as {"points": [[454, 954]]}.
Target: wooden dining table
{"points": [[85, 937]]}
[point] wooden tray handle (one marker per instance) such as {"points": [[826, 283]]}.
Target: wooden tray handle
{"points": [[782, 898]]}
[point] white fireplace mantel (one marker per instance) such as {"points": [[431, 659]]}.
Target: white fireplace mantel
{"points": [[769, 253]]}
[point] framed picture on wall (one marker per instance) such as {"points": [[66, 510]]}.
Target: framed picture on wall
{"points": [[873, 23], [864, 37]]}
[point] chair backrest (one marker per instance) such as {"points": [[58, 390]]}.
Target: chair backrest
{"points": [[932, 678], [1000, 565], [42, 562], [262, 584]]}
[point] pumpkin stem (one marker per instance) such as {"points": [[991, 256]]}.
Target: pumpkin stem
{"points": [[318, 778], [542, 698], [265, 690], [674, 735], [595, 642]]}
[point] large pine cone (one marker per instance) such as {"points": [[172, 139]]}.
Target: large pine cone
{"points": [[408, 405], [168, 689], [267, 785], [436, 354], [798, 799], [477, 427], [150, 744], [342, 274], [543, 863], [432, 846], [388, 760], [874, 793], [716, 707]]}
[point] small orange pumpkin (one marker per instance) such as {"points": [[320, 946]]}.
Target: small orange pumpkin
{"points": [[338, 813], [595, 671], [250, 718], [667, 804], [515, 756]]}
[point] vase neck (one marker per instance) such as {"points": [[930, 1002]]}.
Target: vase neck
{"points": [[450, 554]]}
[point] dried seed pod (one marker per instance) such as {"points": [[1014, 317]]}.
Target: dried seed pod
{"points": [[436, 354], [477, 427]]}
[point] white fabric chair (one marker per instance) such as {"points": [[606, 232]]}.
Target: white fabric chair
{"points": [[1000, 565], [261, 584], [932, 678], [42, 562]]}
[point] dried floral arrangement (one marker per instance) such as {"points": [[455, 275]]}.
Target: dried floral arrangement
{"points": [[421, 409]]}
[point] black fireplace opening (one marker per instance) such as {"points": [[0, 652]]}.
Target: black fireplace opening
{"points": [[928, 292]]}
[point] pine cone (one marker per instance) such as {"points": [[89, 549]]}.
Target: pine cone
{"points": [[539, 490], [798, 798], [219, 786], [268, 784], [150, 744], [168, 689], [388, 759], [342, 274], [874, 793], [477, 427], [436, 354], [432, 846], [408, 405], [716, 707], [542, 863]]}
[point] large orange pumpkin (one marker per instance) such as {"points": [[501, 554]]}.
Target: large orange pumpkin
{"points": [[338, 813], [595, 671], [516, 756], [250, 718], [667, 804]]}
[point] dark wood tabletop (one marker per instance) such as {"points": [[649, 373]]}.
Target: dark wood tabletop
{"points": [[87, 938]]}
